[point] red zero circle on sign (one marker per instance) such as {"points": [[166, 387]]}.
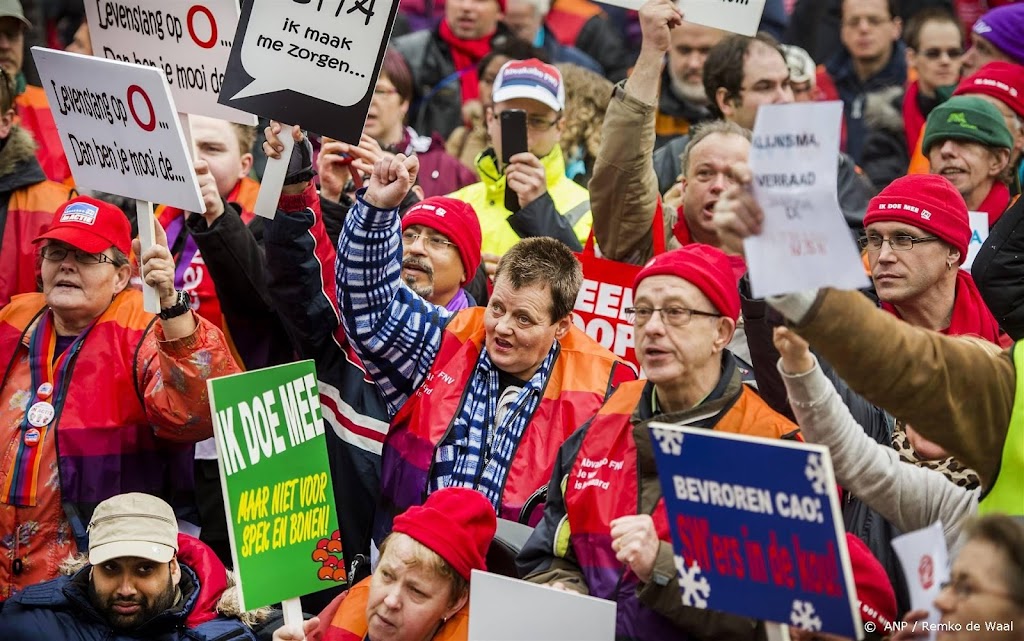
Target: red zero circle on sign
{"points": [[190, 19], [926, 573], [132, 91]]}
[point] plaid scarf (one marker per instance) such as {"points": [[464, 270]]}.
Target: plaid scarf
{"points": [[477, 453]]}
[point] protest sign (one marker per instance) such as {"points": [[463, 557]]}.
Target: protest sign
{"points": [[805, 242], [119, 128], [979, 232], [925, 562], [551, 615], [761, 536], [189, 44], [312, 64], [277, 486], [737, 16]]}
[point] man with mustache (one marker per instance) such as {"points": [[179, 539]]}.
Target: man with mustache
{"points": [[441, 242], [967, 142], [135, 586]]}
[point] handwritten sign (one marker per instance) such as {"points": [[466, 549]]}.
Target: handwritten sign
{"points": [[119, 128], [761, 537], [805, 243], [979, 233], [737, 16], [276, 479], [310, 63], [189, 43]]}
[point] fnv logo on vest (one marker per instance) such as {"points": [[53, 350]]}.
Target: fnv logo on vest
{"points": [[924, 213], [83, 213]]}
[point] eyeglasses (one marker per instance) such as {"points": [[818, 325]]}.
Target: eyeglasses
{"points": [[674, 316], [935, 53], [963, 589], [536, 123], [431, 242], [900, 242], [58, 253], [873, 21]]}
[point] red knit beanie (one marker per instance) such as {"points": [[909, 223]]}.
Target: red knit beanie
{"points": [[455, 522], [875, 593], [455, 219], [1003, 81], [707, 268], [927, 201]]}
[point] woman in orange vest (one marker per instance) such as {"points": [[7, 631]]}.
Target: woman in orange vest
{"points": [[420, 589]]}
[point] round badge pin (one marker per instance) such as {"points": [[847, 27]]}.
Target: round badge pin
{"points": [[40, 414], [44, 390], [32, 437]]}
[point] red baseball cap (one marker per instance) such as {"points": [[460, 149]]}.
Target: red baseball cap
{"points": [[90, 225]]}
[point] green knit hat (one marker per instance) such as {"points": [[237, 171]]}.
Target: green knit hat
{"points": [[967, 118]]}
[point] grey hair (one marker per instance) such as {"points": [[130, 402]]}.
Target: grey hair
{"points": [[710, 128]]}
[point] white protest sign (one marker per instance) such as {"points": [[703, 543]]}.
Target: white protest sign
{"points": [[737, 16], [979, 232], [540, 613], [119, 128], [189, 43], [805, 243], [313, 64], [925, 562]]}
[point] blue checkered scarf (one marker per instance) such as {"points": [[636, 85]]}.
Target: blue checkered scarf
{"points": [[477, 453]]}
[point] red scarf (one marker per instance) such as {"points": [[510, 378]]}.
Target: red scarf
{"points": [[997, 201], [913, 119], [970, 314], [466, 54]]}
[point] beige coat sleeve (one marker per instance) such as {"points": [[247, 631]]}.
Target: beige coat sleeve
{"points": [[953, 391], [624, 188]]}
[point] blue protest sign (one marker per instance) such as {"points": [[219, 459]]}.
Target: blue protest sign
{"points": [[756, 528]]}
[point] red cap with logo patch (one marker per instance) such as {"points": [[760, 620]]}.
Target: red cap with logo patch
{"points": [[927, 201], [455, 219], [90, 225]]}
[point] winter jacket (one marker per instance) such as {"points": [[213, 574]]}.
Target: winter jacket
{"points": [[27, 203], [129, 409], [910, 497], [997, 270], [437, 90], [572, 544], [61, 609], [676, 116], [33, 115], [562, 213], [582, 24], [954, 392], [301, 286], [837, 80]]}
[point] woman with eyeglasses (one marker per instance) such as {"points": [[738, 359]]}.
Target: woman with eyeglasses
{"points": [[896, 116], [984, 597], [127, 389]]}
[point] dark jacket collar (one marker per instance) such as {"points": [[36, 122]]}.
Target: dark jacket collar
{"points": [[840, 67]]}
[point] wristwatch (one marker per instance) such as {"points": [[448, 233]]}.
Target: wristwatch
{"points": [[183, 304]]}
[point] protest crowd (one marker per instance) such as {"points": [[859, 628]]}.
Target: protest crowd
{"points": [[542, 243]]}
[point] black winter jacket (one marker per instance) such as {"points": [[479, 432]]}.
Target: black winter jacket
{"points": [[999, 273]]}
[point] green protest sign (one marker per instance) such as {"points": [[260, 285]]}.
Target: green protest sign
{"points": [[277, 483]]}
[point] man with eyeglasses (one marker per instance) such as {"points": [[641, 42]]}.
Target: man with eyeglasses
{"points": [[550, 204], [441, 251], [895, 117], [608, 536], [33, 110], [127, 389], [967, 142], [872, 59]]}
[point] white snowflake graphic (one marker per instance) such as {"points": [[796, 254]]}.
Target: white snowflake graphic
{"points": [[815, 473], [671, 441], [695, 586], [803, 616]]}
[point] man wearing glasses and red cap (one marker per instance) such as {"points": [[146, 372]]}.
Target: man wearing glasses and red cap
{"points": [[609, 536], [128, 390]]}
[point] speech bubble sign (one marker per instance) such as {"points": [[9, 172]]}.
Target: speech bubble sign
{"points": [[188, 42], [119, 128], [309, 62]]}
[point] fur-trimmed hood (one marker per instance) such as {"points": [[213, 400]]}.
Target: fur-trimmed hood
{"points": [[18, 165], [883, 110]]}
